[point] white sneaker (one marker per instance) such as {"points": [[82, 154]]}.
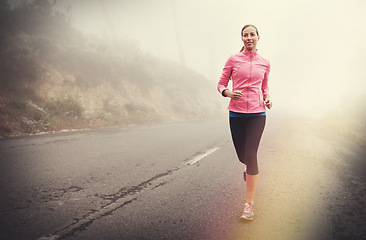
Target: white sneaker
{"points": [[248, 212]]}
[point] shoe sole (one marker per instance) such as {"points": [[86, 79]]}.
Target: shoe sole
{"points": [[245, 218]]}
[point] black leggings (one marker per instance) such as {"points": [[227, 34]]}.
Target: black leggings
{"points": [[246, 133]]}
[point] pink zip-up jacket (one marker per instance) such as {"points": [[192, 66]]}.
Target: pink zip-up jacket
{"points": [[249, 73]]}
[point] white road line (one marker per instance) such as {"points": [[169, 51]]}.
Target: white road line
{"points": [[199, 157]]}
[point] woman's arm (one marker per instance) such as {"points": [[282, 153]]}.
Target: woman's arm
{"points": [[234, 95], [225, 77], [265, 89], [267, 101]]}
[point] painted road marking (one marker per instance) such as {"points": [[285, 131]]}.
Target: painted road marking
{"points": [[201, 156]]}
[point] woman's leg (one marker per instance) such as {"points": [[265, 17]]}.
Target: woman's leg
{"points": [[252, 181], [246, 134], [238, 127], [255, 127]]}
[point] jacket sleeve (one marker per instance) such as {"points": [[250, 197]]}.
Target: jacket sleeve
{"points": [[265, 89], [225, 76]]}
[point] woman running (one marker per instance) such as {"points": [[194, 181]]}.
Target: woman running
{"points": [[247, 108]]}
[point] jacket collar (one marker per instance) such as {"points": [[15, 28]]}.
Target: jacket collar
{"points": [[247, 53]]}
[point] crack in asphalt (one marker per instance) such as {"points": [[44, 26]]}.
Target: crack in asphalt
{"points": [[116, 201], [121, 198], [85, 224], [123, 192], [51, 194]]}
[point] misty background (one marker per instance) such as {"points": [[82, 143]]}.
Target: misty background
{"points": [[316, 48]]}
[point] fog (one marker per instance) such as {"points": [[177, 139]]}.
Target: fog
{"points": [[316, 48]]}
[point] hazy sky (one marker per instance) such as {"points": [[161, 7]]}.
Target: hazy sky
{"points": [[316, 47]]}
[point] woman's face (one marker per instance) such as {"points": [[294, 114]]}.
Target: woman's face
{"points": [[250, 38]]}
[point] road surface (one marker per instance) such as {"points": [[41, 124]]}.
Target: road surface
{"points": [[182, 181]]}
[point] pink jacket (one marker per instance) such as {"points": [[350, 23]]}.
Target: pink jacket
{"points": [[249, 72]]}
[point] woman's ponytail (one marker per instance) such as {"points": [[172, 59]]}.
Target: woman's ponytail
{"points": [[242, 49]]}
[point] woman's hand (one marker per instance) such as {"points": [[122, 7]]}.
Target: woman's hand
{"points": [[233, 95], [267, 101]]}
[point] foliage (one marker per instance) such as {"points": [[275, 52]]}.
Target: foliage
{"points": [[64, 106], [39, 46]]}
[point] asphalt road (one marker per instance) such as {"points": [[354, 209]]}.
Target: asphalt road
{"points": [[182, 181]]}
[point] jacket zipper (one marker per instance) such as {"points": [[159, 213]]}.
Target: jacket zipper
{"points": [[250, 77]]}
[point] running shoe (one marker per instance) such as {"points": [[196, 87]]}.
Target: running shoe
{"points": [[248, 212]]}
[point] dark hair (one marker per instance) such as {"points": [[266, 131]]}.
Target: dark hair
{"points": [[241, 33]]}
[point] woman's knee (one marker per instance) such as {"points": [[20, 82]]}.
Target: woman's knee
{"points": [[252, 164]]}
